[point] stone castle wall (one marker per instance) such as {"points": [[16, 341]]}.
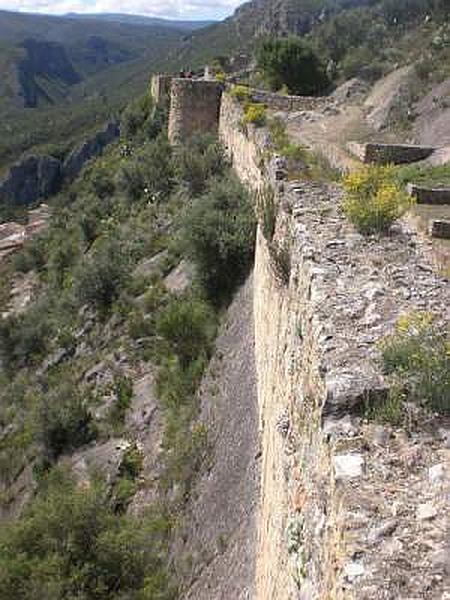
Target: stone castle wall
{"points": [[194, 108], [160, 89], [384, 154], [288, 103], [326, 524]]}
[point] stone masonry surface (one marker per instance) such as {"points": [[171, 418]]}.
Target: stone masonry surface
{"points": [[427, 195], [194, 108], [160, 88]]}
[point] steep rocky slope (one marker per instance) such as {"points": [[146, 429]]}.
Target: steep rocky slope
{"points": [[215, 549]]}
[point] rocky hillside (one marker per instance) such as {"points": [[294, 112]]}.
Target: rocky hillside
{"points": [[110, 305], [375, 33]]}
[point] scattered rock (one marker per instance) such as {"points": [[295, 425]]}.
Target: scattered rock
{"points": [[334, 428], [348, 466], [150, 266], [426, 512], [391, 98], [384, 530], [381, 435], [180, 278], [436, 474], [352, 570]]}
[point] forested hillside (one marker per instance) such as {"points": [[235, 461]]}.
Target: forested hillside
{"points": [[62, 77]]}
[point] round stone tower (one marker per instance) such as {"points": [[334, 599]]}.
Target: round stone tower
{"points": [[194, 108]]}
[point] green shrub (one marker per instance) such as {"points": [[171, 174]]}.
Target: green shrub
{"points": [[135, 115], [361, 63], [101, 276], [255, 114], [292, 63], [188, 325], [301, 162], [32, 256], [148, 174], [126, 485], [62, 421], [196, 161], [185, 445], [432, 176], [390, 409], [63, 252], [373, 200], [23, 339], [218, 234], [70, 543], [278, 135], [417, 356], [101, 182]]}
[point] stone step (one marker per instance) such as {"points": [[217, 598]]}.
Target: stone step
{"points": [[440, 228], [427, 195], [383, 154]]}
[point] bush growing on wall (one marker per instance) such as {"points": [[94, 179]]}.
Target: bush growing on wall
{"points": [[292, 63], [240, 92], [254, 113]]}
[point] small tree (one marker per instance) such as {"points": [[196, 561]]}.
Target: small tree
{"points": [[292, 63]]}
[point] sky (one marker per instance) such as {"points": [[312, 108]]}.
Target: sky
{"points": [[169, 9]]}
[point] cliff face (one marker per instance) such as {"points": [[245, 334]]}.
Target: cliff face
{"points": [[32, 178], [215, 548], [36, 177]]}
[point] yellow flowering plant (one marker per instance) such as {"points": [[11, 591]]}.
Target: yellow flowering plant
{"points": [[373, 201], [240, 92], [254, 113]]}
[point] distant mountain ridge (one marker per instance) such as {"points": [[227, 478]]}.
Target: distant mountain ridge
{"points": [[130, 19]]}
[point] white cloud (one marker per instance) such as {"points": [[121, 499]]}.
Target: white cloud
{"points": [[171, 9]]}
